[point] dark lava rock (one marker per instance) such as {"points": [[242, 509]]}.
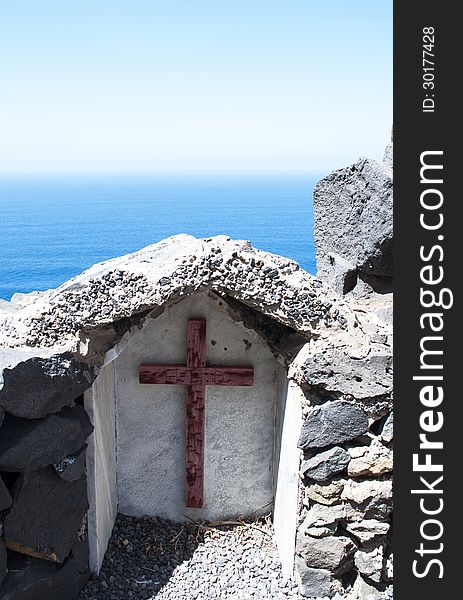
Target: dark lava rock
{"points": [[332, 423], [2, 562], [2, 414], [35, 579], [5, 498], [354, 225], [27, 444], [73, 466], [46, 514], [39, 386]]}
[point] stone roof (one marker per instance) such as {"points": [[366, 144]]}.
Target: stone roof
{"points": [[67, 331], [156, 275]]}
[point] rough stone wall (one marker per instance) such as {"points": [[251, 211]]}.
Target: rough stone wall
{"points": [[344, 538], [43, 504], [344, 533]]}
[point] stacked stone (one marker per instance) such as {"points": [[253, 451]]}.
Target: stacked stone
{"points": [[43, 491], [346, 500], [344, 535]]}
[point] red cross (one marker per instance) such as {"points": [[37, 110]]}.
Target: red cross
{"points": [[196, 375]]}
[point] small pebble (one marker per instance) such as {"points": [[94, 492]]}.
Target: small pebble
{"points": [[155, 559]]}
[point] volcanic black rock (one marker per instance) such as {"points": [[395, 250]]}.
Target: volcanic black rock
{"points": [[27, 444], [34, 579], [73, 466], [354, 226], [46, 514], [39, 386], [332, 423], [5, 498], [2, 562]]}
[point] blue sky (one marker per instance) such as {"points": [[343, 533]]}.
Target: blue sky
{"points": [[193, 85]]}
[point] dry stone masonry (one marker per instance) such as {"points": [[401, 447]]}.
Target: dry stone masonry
{"points": [[344, 537], [331, 465]]}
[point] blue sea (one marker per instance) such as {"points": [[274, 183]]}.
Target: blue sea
{"points": [[52, 228]]}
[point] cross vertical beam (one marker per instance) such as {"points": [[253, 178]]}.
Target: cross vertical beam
{"points": [[195, 413], [196, 376]]}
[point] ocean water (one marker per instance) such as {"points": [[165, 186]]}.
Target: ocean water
{"points": [[52, 228]]}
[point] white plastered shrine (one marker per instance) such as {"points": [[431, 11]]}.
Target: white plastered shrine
{"points": [[136, 455]]}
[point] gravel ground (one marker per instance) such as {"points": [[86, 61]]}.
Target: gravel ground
{"points": [[151, 559]]}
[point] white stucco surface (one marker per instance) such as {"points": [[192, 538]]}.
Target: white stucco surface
{"points": [[287, 487], [101, 464], [240, 421]]}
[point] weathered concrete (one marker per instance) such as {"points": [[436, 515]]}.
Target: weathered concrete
{"points": [[240, 422], [100, 403], [151, 426], [109, 293], [287, 485]]}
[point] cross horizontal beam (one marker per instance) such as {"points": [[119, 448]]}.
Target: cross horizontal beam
{"points": [[196, 376], [182, 375]]}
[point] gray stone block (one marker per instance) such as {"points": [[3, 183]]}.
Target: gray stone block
{"points": [[326, 464], [332, 423], [368, 530], [370, 563], [372, 495], [387, 432], [354, 224], [364, 378], [313, 582], [327, 492], [334, 553]]}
